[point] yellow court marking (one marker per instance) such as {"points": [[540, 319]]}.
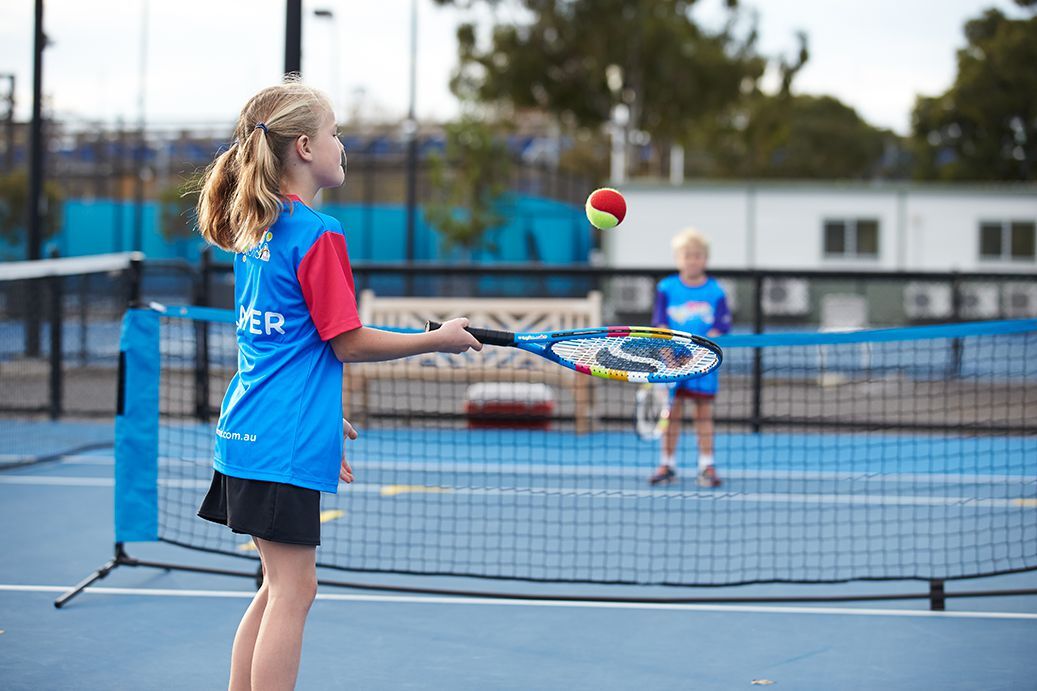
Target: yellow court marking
{"points": [[1028, 503], [393, 490]]}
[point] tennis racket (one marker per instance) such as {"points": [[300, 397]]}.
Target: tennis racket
{"points": [[626, 353], [652, 410]]}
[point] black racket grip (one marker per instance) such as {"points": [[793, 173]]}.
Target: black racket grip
{"points": [[484, 336]]}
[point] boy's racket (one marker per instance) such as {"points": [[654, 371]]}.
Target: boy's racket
{"points": [[652, 410], [626, 353]]}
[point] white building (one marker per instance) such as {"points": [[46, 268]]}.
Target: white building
{"points": [[817, 225]]}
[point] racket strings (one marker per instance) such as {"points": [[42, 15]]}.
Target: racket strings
{"points": [[670, 358]]}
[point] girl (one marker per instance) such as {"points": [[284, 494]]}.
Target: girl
{"points": [[278, 443]]}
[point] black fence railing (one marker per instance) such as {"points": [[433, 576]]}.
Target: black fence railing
{"points": [[764, 300], [83, 338]]}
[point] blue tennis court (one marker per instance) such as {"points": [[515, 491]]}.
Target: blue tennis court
{"points": [[870, 478], [148, 628]]}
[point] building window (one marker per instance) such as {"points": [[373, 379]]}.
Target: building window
{"points": [[852, 238], [1007, 241]]}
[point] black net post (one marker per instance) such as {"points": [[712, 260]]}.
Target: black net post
{"points": [[937, 596], [56, 323]]}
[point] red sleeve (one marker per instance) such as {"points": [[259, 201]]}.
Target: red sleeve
{"points": [[327, 286]]}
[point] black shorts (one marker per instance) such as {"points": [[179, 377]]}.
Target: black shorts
{"points": [[272, 511]]}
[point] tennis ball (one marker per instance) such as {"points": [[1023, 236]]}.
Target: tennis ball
{"points": [[606, 208]]}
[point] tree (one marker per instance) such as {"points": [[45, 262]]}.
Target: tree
{"points": [[805, 137], [985, 126], [787, 135], [468, 183], [673, 72], [14, 206], [177, 208], [682, 85]]}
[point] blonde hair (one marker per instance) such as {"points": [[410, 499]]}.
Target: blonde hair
{"points": [[689, 237], [240, 192]]}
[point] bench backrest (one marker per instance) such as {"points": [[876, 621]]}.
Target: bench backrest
{"points": [[509, 314]]}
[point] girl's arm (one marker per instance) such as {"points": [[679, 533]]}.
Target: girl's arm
{"points": [[373, 345]]}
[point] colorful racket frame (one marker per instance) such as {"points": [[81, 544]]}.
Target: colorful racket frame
{"points": [[707, 357]]}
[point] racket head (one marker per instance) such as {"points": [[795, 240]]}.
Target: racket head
{"points": [[652, 410], [635, 354]]}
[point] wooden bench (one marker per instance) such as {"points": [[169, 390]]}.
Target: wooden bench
{"points": [[491, 364]]}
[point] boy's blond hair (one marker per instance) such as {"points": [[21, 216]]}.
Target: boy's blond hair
{"points": [[689, 237]]}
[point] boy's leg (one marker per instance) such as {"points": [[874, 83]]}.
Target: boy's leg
{"points": [[704, 429], [291, 572], [667, 470], [245, 638]]}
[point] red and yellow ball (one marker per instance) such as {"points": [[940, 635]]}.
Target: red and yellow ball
{"points": [[606, 208]]}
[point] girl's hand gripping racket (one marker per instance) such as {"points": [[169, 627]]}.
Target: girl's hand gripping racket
{"points": [[626, 353]]}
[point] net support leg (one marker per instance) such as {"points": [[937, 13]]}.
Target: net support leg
{"points": [[937, 596], [123, 559], [120, 558]]}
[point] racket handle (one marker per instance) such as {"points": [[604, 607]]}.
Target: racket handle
{"points": [[484, 336]]}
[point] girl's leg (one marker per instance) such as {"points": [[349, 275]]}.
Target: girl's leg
{"points": [[291, 577], [245, 638]]}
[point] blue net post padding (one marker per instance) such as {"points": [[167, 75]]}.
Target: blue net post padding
{"points": [[137, 428]]}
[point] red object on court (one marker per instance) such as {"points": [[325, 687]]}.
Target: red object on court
{"points": [[509, 405], [609, 200]]}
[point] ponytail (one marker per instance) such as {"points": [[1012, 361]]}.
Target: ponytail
{"points": [[240, 196], [218, 187]]}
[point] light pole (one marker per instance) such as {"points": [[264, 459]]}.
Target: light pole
{"points": [[336, 83], [140, 154], [9, 148], [618, 121], [293, 36], [36, 163], [411, 133]]}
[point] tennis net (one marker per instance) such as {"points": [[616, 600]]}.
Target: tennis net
{"points": [[59, 347], [893, 454]]}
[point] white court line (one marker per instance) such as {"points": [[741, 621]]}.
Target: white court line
{"points": [[583, 493], [43, 481], [460, 600], [554, 470]]}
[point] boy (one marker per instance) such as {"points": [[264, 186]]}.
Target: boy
{"points": [[691, 301]]}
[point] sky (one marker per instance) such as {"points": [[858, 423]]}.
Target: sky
{"points": [[203, 58]]}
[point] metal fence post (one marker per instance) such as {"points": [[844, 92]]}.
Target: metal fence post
{"points": [[201, 340], [757, 393], [56, 324], [956, 346], [135, 276]]}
